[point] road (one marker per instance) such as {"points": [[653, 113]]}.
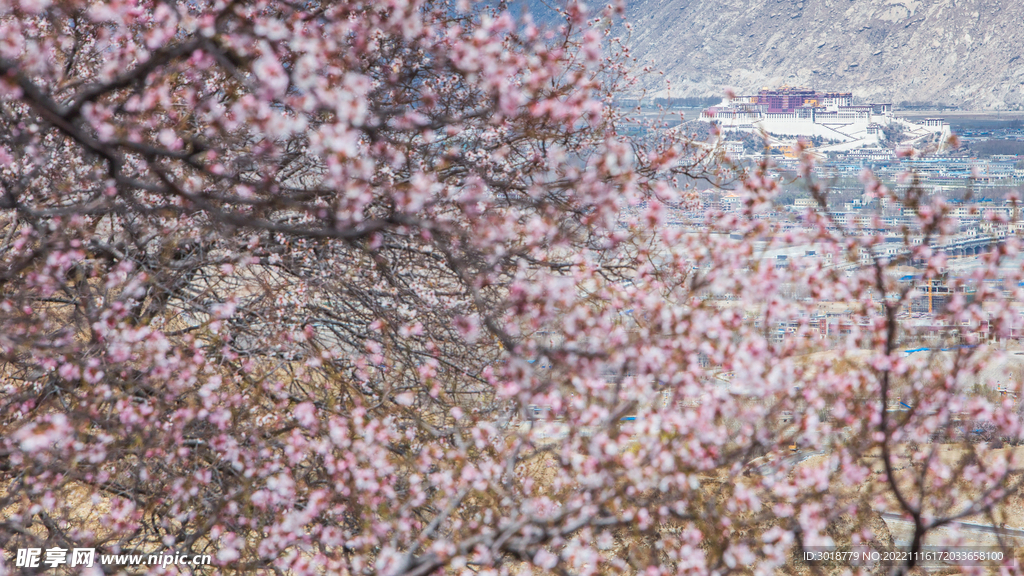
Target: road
{"points": [[966, 528]]}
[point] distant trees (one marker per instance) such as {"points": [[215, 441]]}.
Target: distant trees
{"points": [[382, 288], [994, 147], [892, 135], [688, 101], [924, 105]]}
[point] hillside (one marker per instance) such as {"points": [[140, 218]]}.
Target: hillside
{"points": [[948, 51]]}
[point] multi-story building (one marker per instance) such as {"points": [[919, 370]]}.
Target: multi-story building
{"points": [[787, 99]]}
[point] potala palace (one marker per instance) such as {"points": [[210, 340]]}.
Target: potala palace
{"points": [[795, 112]]}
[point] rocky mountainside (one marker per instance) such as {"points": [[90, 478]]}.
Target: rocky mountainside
{"points": [[960, 52]]}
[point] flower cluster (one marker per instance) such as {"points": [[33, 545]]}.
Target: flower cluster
{"points": [[393, 287]]}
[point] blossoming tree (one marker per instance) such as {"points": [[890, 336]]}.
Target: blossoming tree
{"points": [[389, 288]]}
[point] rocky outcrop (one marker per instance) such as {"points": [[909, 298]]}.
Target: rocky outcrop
{"points": [[960, 52]]}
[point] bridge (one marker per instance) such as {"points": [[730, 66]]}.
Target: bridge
{"points": [[969, 245], [958, 246]]}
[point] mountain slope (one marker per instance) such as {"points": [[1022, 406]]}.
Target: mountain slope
{"points": [[967, 52]]}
